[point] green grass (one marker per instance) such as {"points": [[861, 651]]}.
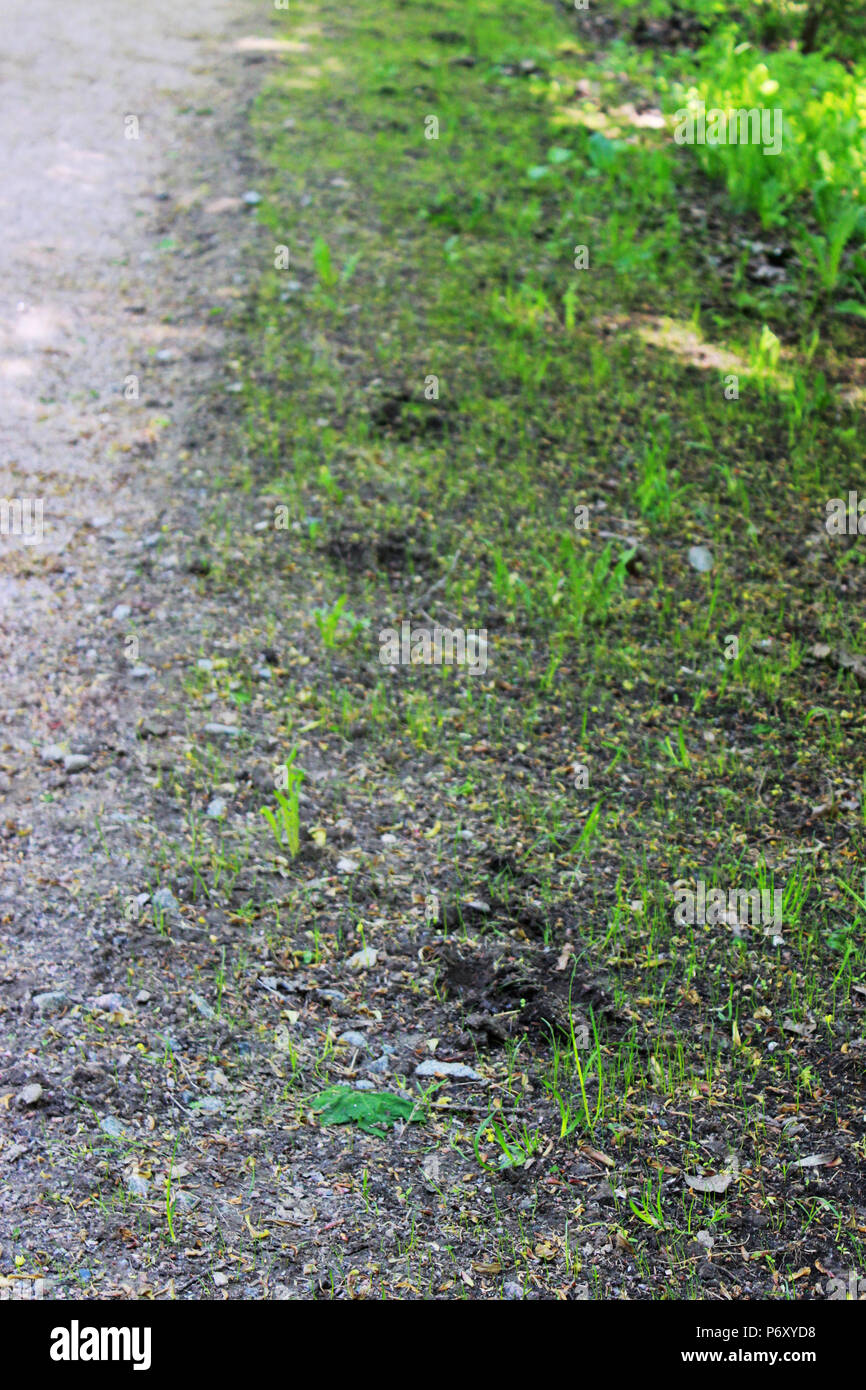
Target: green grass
{"points": [[453, 416]]}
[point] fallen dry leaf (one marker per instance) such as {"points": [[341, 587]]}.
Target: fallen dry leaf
{"points": [[719, 1183], [598, 1157], [564, 956]]}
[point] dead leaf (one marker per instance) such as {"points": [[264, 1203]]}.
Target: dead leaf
{"points": [[719, 1183], [564, 956], [803, 1030], [599, 1157]]}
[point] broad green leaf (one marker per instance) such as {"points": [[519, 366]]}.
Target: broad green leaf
{"points": [[342, 1105]]}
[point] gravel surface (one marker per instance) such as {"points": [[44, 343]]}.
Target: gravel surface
{"points": [[115, 251]]}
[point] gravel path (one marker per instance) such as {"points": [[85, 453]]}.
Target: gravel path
{"points": [[115, 251]]}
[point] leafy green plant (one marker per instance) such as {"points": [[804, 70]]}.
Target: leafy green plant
{"points": [[823, 151], [589, 585], [170, 1201], [323, 264], [584, 839], [369, 1110], [649, 1209], [328, 622], [656, 491], [285, 821], [570, 1061], [767, 351], [822, 255], [516, 1144], [679, 756]]}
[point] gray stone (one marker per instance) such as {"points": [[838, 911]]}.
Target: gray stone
{"points": [[108, 1003], [700, 558], [165, 907], [75, 762], [453, 1069], [354, 1039], [184, 1201], [51, 1002], [202, 1005]]}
